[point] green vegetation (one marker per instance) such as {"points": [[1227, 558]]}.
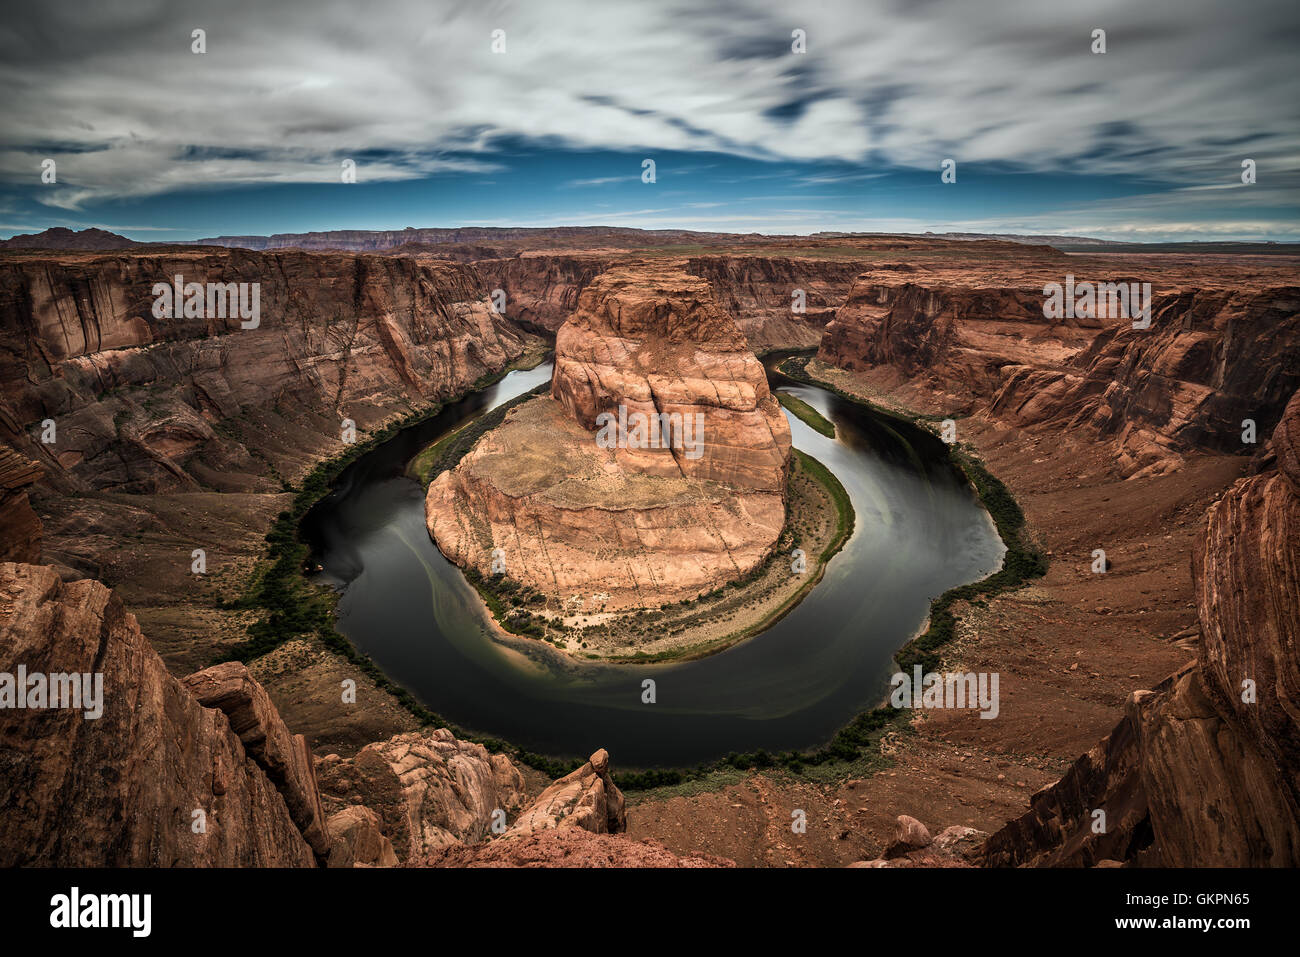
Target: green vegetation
{"points": [[781, 554], [1023, 561], [446, 453], [843, 506], [806, 414], [292, 606]]}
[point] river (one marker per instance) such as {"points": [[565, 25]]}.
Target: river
{"points": [[919, 530]]}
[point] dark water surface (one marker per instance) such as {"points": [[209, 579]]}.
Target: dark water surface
{"points": [[919, 531]]}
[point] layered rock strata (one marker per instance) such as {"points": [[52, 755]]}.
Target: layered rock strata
{"points": [[587, 798], [143, 404], [151, 771], [1203, 769], [778, 302], [155, 780], [429, 790], [979, 336], [596, 518]]}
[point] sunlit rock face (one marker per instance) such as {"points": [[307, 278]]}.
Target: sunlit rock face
{"points": [[654, 472], [656, 342]]}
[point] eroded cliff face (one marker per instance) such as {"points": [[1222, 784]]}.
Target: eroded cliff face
{"points": [[653, 341], [144, 404], [151, 771], [122, 789], [428, 789], [978, 335], [1211, 360], [613, 525], [1203, 768], [541, 290], [20, 529], [758, 292]]}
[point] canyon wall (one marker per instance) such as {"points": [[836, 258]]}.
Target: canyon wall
{"points": [[1222, 347], [541, 290], [1211, 360], [122, 789], [757, 292], [620, 526], [1202, 769], [142, 404]]}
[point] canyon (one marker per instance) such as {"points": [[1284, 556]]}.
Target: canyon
{"points": [[190, 432]]}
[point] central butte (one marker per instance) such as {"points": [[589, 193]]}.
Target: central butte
{"points": [[609, 529]]}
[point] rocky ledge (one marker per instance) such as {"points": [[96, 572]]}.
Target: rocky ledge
{"points": [[974, 337], [151, 771], [1203, 768]]}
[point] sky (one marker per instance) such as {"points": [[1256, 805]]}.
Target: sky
{"points": [[550, 122]]}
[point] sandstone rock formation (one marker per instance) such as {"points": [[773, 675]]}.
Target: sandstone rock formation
{"points": [[20, 529], [285, 757], [612, 528], [123, 789], [655, 341], [430, 790], [1203, 768], [757, 292], [357, 839], [587, 798], [977, 333], [955, 846], [542, 289], [568, 847], [1189, 382], [145, 404]]}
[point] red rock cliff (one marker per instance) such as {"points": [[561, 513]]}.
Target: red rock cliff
{"points": [[1204, 769], [144, 404]]}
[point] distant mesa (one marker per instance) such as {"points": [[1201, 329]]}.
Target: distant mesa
{"points": [[58, 237]]}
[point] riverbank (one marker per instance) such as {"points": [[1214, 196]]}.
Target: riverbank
{"points": [[284, 618], [819, 520]]}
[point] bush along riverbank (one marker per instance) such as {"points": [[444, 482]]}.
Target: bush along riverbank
{"points": [[1023, 562], [857, 743], [291, 605], [806, 414]]}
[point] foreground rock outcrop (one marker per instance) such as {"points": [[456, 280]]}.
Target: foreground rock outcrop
{"points": [[587, 798], [155, 780], [285, 757], [1203, 769], [159, 772], [913, 846], [429, 790], [627, 524], [760, 292]]}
